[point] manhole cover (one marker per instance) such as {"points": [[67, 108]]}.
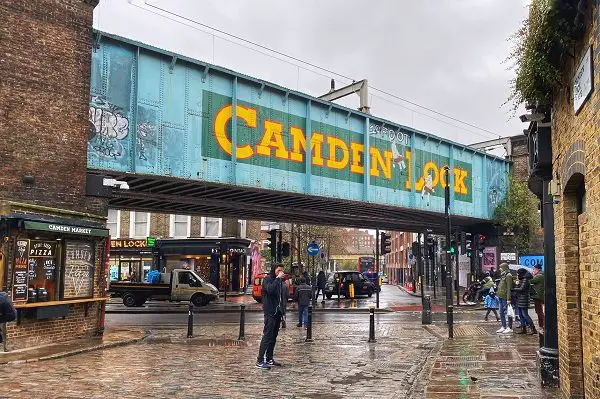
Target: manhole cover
{"points": [[468, 331]]}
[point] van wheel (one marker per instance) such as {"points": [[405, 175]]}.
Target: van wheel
{"points": [[328, 296], [199, 300], [259, 300], [129, 300]]}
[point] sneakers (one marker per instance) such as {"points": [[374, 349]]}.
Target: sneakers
{"points": [[500, 330], [507, 330], [299, 325], [263, 366], [274, 363]]}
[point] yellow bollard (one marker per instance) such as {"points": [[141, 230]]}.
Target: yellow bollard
{"points": [[351, 289]]}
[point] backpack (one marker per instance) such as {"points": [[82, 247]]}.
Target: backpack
{"points": [[7, 310]]}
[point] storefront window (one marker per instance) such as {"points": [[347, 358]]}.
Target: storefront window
{"points": [[79, 269]]}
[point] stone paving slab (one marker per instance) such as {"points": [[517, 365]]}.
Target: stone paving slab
{"points": [[338, 364], [478, 363]]}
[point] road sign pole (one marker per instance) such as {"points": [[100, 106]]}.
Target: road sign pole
{"points": [[377, 267]]}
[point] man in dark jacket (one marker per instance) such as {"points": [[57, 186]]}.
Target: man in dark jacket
{"points": [[303, 295], [7, 311], [538, 293], [274, 302], [522, 291], [321, 281]]}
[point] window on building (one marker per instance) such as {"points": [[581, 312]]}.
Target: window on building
{"points": [[242, 228], [113, 223], [180, 226], [211, 227], [140, 224]]}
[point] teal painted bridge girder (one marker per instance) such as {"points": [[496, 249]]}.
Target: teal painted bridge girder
{"points": [[158, 114]]}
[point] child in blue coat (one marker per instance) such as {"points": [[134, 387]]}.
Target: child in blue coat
{"points": [[491, 303]]}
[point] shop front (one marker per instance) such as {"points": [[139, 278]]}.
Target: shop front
{"points": [[130, 260], [223, 262], [53, 269]]}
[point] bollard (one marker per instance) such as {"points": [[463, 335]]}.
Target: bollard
{"points": [[309, 325], [190, 333], [371, 325], [242, 323], [339, 287], [283, 325], [450, 310], [426, 312]]}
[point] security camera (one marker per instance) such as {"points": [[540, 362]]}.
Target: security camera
{"points": [[116, 183]]}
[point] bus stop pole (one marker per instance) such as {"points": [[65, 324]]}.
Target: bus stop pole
{"points": [[377, 288]]}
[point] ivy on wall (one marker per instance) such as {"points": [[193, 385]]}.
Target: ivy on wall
{"points": [[540, 47], [517, 213]]}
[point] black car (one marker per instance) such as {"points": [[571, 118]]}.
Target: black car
{"points": [[342, 279]]}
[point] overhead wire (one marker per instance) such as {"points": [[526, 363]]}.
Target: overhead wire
{"points": [[312, 65]]}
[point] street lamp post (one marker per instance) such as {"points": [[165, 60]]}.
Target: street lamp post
{"points": [[449, 308]]}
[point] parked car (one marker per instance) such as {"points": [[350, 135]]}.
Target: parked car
{"points": [[342, 279], [385, 279], [257, 286]]}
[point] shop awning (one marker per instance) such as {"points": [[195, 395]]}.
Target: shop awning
{"points": [[55, 225]]}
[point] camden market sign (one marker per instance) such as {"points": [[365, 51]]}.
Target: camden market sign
{"points": [[65, 229]]}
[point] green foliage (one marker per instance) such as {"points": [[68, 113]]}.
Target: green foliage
{"points": [[538, 51], [517, 213]]}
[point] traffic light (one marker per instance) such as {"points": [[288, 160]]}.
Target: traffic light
{"points": [[385, 243], [429, 243], [285, 249], [453, 248], [481, 242], [416, 249], [465, 242], [273, 243]]}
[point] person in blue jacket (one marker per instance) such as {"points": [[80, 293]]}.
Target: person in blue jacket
{"points": [[491, 303]]}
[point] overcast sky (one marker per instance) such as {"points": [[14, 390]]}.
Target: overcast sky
{"points": [[447, 55]]}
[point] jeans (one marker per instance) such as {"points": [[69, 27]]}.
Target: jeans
{"points": [[303, 315], [488, 313], [539, 309], [503, 305], [269, 338], [525, 318]]}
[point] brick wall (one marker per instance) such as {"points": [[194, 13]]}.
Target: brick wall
{"points": [[45, 52], [576, 154]]}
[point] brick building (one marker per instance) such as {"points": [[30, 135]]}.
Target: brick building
{"points": [[54, 241], [191, 242], [397, 262], [564, 161]]}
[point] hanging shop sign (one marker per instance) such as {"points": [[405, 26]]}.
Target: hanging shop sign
{"points": [[128, 244], [64, 228], [583, 81]]}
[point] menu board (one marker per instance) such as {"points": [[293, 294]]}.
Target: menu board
{"points": [[21, 271], [42, 253], [79, 269]]}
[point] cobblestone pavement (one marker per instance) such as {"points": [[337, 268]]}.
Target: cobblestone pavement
{"points": [[338, 364], [478, 363]]}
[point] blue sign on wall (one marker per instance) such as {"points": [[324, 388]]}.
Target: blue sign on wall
{"points": [[312, 249], [531, 260], [156, 113]]}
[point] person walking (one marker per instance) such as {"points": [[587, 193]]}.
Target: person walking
{"points": [[491, 304], [273, 298], [321, 281], [303, 296], [504, 291], [7, 313], [538, 293], [522, 294], [486, 284]]}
